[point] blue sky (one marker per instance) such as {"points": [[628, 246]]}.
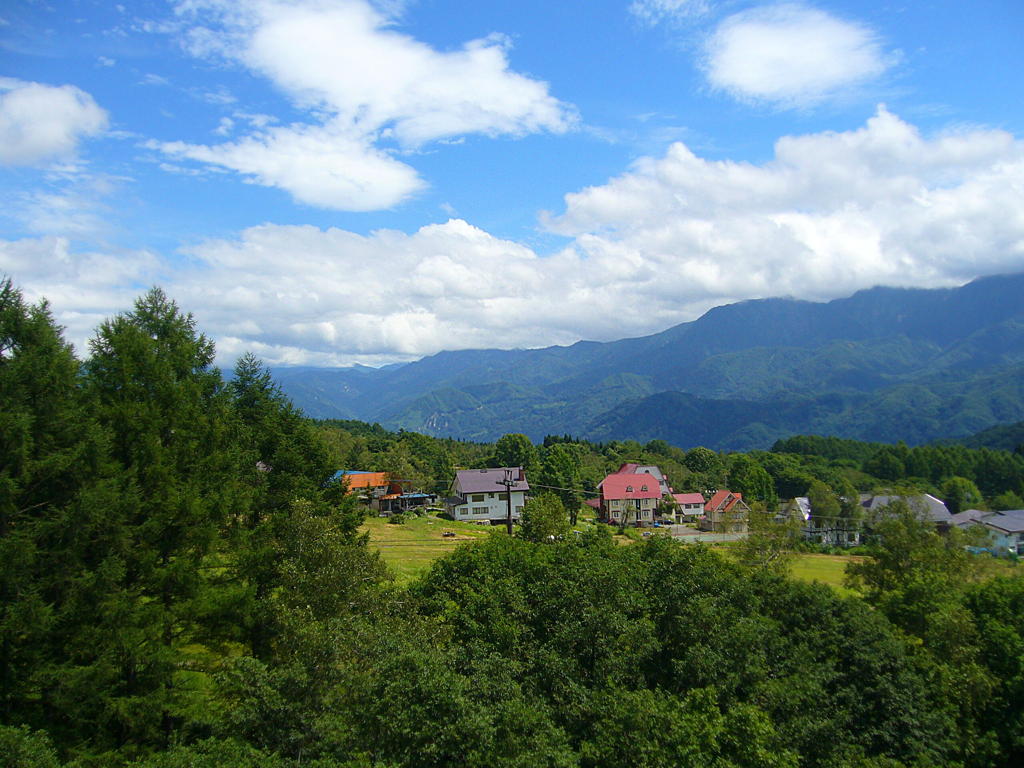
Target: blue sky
{"points": [[335, 181]]}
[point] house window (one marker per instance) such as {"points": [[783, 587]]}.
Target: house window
{"points": [[503, 496], [629, 489], [479, 510], [477, 497], [643, 487]]}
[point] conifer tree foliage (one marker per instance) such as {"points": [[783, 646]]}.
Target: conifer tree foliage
{"points": [[282, 460], [152, 384], [48, 449]]}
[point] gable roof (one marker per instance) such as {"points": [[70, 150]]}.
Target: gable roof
{"points": [[803, 504], [725, 501], [1009, 521], [689, 498], [490, 480], [967, 518], [934, 508], [624, 486]]}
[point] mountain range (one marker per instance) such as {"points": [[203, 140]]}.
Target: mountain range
{"points": [[885, 364]]}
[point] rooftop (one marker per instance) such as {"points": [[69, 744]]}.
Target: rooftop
{"points": [[623, 486], [490, 480]]}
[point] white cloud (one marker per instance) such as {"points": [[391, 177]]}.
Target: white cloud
{"points": [[791, 55], [320, 166], [831, 213], [364, 86], [83, 288], [42, 122]]}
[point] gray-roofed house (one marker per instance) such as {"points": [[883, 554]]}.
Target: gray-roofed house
{"points": [[479, 494], [923, 503], [1007, 530], [967, 518]]}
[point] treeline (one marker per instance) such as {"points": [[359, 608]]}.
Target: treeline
{"points": [[997, 475], [182, 587], [155, 522], [963, 477]]}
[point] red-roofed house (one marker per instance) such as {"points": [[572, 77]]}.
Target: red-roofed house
{"points": [[726, 512], [689, 504], [632, 468], [629, 499]]}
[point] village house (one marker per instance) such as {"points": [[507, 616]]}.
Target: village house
{"points": [[382, 492], [1005, 528], [689, 506], [833, 532], [629, 499], [725, 512], [479, 494], [368, 485], [922, 503], [647, 469]]}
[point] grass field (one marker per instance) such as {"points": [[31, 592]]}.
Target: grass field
{"points": [[409, 549], [827, 569]]}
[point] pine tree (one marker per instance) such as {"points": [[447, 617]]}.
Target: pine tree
{"points": [[172, 434], [48, 451], [284, 460]]}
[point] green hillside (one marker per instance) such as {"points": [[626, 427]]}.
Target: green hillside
{"points": [[885, 364]]}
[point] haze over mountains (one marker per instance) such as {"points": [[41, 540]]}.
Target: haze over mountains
{"points": [[885, 364]]}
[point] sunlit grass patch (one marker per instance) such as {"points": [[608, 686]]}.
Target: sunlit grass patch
{"points": [[410, 548]]}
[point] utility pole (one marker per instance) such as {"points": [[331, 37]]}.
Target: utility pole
{"points": [[508, 482]]}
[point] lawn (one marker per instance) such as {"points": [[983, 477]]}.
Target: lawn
{"points": [[827, 569], [409, 549]]}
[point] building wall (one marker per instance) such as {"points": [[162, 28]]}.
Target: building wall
{"points": [[489, 506], [625, 510], [734, 521]]}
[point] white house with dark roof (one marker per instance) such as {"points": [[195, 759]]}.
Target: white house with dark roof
{"points": [[479, 494], [1006, 527]]}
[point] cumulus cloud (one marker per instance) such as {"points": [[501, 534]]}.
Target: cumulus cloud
{"points": [[365, 87], [42, 122], [83, 288], [321, 166], [791, 55], [829, 214]]}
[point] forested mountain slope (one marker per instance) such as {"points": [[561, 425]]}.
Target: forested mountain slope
{"points": [[883, 364]]}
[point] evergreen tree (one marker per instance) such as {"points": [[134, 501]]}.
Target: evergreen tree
{"points": [[560, 469], [153, 384], [49, 452]]}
